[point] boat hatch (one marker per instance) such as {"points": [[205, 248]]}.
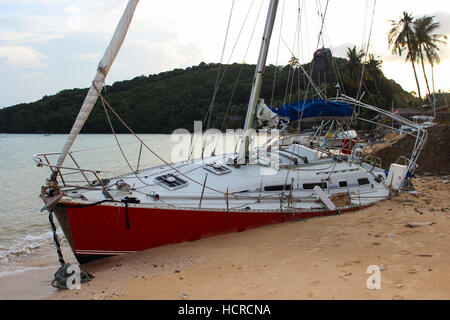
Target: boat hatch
{"points": [[363, 181], [342, 184], [171, 182], [217, 168]]}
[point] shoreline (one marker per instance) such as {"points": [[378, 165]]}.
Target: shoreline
{"points": [[318, 258]]}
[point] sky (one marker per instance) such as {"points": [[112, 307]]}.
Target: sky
{"points": [[50, 45]]}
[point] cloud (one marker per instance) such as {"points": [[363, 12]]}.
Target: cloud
{"points": [[22, 57], [34, 75], [14, 37], [87, 57], [444, 19], [341, 50]]}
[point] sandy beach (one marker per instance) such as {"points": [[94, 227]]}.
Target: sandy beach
{"points": [[319, 258]]}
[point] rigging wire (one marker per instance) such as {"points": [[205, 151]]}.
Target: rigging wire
{"points": [[366, 51], [217, 85], [210, 110], [278, 52], [241, 68]]}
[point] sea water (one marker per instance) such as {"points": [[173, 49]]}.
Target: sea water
{"points": [[25, 232]]}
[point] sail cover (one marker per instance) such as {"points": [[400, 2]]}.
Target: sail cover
{"points": [[315, 110]]}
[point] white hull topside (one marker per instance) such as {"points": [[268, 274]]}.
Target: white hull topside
{"points": [[251, 187]]}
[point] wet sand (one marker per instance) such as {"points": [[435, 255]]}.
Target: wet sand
{"points": [[319, 258]]}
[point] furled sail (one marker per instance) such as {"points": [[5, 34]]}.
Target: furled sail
{"points": [[309, 110], [97, 84]]}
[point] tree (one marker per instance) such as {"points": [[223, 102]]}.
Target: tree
{"points": [[353, 67], [373, 67], [402, 37], [427, 42]]}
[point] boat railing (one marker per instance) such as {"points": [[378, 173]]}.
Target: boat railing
{"points": [[420, 134], [89, 176], [405, 162], [375, 161]]}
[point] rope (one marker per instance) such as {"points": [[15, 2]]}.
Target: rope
{"points": [[159, 157], [149, 149], [55, 239], [62, 275]]}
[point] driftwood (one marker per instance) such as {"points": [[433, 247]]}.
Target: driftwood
{"points": [[419, 224]]}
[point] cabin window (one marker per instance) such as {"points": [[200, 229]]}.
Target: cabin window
{"points": [[342, 184], [171, 181], [310, 186], [278, 188], [363, 181], [217, 168]]}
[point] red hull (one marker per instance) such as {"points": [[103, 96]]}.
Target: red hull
{"points": [[99, 231]]}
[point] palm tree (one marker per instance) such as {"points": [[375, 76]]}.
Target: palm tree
{"points": [[402, 37], [427, 42], [353, 67], [373, 67]]}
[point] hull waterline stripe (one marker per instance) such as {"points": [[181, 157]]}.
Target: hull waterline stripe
{"points": [[103, 252]]}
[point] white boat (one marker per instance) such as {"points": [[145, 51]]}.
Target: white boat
{"points": [[188, 200]]}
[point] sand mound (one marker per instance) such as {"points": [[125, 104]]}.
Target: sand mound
{"points": [[435, 157]]}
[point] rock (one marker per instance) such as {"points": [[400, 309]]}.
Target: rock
{"points": [[419, 224], [177, 271], [324, 259], [389, 235], [382, 267]]}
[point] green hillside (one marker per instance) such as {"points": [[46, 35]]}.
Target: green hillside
{"points": [[164, 102]]}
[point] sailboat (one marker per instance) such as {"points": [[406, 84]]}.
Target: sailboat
{"points": [[275, 182]]}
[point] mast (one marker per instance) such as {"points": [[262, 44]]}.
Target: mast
{"points": [[257, 81], [97, 84]]}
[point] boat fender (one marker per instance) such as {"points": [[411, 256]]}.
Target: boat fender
{"points": [[128, 200]]}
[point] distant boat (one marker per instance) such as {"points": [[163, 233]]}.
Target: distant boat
{"points": [[252, 187]]}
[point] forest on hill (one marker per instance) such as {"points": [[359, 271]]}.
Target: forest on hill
{"points": [[166, 101]]}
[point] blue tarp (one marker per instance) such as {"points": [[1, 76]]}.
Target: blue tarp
{"points": [[315, 110]]}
